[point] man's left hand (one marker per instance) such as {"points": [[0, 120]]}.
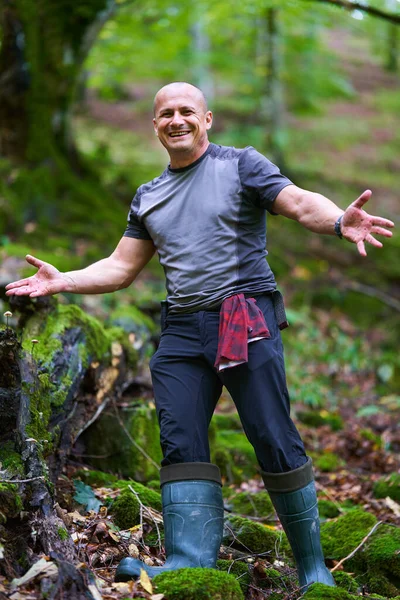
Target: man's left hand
{"points": [[358, 226]]}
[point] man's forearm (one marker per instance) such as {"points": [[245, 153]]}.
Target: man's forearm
{"points": [[106, 275], [317, 213]]}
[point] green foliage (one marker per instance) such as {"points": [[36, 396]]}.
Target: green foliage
{"points": [[389, 485], [10, 460], [126, 510], [85, 495], [198, 584]]}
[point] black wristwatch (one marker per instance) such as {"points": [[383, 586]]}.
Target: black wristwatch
{"points": [[338, 229]]}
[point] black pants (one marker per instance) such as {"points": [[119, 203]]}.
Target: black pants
{"points": [[187, 388]]}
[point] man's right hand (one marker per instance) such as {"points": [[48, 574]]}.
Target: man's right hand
{"points": [[46, 282]]}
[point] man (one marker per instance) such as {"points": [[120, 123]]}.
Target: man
{"points": [[205, 215]]}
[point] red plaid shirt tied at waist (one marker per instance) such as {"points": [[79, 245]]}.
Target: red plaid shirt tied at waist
{"points": [[241, 322]]}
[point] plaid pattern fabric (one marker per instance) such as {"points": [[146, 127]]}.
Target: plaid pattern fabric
{"points": [[240, 322]]}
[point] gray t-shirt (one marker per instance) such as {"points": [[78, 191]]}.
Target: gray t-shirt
{"points": [[207, 221]]}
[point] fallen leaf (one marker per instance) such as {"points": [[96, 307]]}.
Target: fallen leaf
{"points": [[41, 567], [145, 581], [393, 505], [157, 597]]}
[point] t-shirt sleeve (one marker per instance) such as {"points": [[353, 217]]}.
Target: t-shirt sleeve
{"points": [[261, 179], [135, 227]]}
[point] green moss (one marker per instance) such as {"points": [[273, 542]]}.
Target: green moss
{"points": [[10, 460], [341, 536], [252, 504], [107, 437], [249, 536], [345, 581], [96, 478], [317, 418], [237, 568], [388, 486], [62, 533], [154, 484], [319, 591], [229, 421], [328, 509], [198, 584], [147, 497], [126, 510], [10, 501], [328, 462], [234, 455]]}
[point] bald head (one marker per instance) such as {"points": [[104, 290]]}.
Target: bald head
{"points": [[181, 88]]}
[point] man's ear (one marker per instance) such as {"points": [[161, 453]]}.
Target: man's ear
{"points": [[209, 119], [155, 127]]}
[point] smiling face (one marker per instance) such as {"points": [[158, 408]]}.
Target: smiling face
{"points": [[181, 121]]}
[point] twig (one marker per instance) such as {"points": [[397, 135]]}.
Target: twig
{"points": [[132, 440], [143, 507], [21, 480], [358, 547]]}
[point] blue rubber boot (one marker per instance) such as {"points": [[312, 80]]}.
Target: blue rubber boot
{"points": [[193, 514], [294, 497]]}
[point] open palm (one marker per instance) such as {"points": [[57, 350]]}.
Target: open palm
{"points": [[358, 226], [47, 281]]}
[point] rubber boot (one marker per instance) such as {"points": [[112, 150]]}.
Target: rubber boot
{"points": [[294, 497], [193, 514]]}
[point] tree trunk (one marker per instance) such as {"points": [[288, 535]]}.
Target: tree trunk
{"points": [[44, 45], [57, 375]]}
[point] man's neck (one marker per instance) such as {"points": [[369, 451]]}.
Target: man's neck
{"points": [[182, 159]]}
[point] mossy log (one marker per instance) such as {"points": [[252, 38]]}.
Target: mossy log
{"points": [[59, 369]]}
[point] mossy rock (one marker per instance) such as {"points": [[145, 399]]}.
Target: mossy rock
{"points": [[341, 536], [234, 455], [198, 584], [147, 497], [377, 563], [319, 591], [10, 502], [139, 325], [328, 462], [252, 504], [230, 422], [237, 568], [345, 581], [126, 510], [388, 486], [317, 418], [154, 484], [107, 437], [10, 461], [328, 509], [248, 536]]}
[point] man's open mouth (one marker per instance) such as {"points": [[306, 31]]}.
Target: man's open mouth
{"points": [[178, 133]]}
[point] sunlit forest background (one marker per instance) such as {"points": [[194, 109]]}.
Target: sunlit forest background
{"points": [[312, 86]]}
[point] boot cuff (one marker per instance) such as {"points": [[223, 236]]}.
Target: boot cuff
{"points": [[190, 471], [290, 481]]}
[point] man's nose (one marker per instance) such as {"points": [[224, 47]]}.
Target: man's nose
{"points": [[177, 119]]}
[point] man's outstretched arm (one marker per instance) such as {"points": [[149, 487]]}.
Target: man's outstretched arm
{"points": [[317, 213], [107, 275]]}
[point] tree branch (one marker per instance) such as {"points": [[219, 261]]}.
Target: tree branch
{"points": [[370, 10]]}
